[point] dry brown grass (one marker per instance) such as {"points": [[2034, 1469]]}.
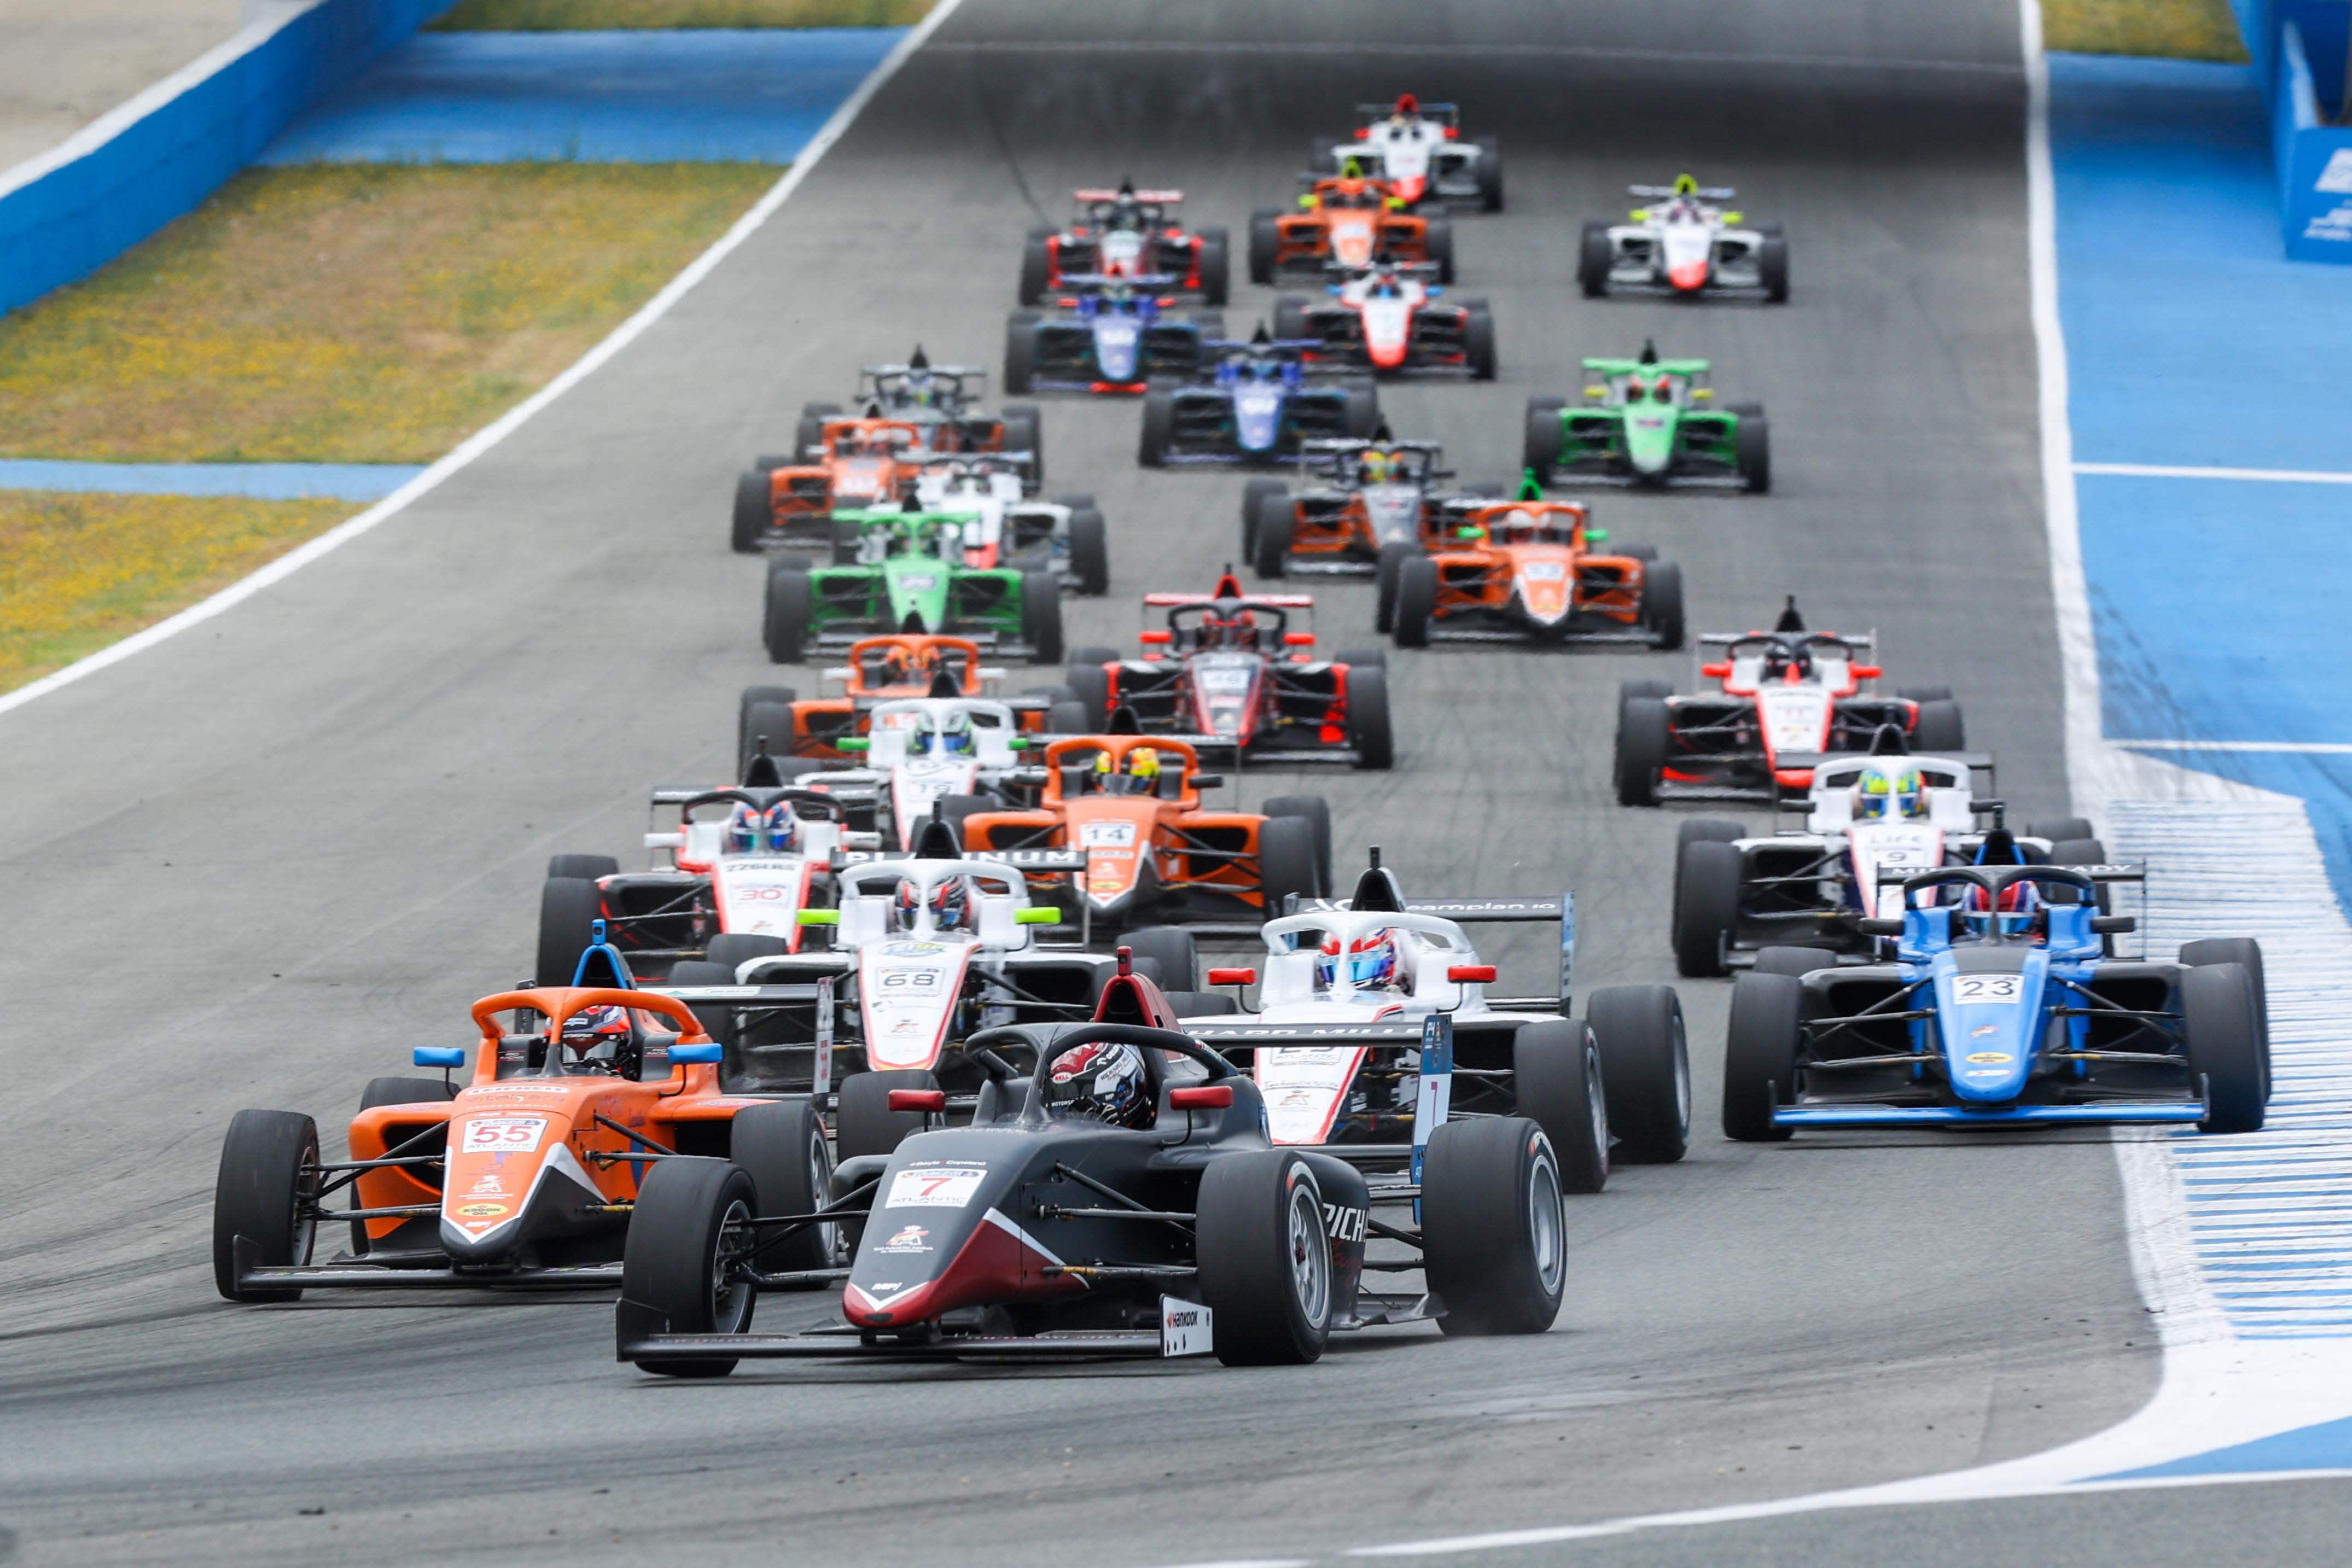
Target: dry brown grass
{"points": [[351, 314], [568, 15], [78, 572], [2177, 29]]}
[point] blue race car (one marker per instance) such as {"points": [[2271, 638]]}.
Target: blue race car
{"points": [[1258, 405], [1114, 335], [2001, 1007]]}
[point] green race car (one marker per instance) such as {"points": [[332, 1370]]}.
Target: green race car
{"points": [[1648, 421], [905, 570]]}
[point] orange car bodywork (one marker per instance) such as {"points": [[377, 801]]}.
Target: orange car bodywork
{"points": [[898, 664], [1316, 534], [1351, 235], [512, 1138], [1553, 578], [845, 476], [1186, 848]]}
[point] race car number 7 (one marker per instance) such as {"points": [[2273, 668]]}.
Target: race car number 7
{"points": [[1987, 987]]}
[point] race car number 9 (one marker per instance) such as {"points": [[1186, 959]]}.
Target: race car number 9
{"points": [[935, 1186], [1987, 987], [502, 1135]]}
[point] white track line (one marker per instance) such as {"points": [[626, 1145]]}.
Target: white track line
{"points": [[1468, 51], [482, 440], [2261, 476], [2280, 747]]}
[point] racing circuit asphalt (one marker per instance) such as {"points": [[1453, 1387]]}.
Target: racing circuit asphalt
{"points": [[255, 865]]}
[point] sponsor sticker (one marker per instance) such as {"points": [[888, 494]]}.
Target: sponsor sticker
{"points": [[502, 1135], [935, 1186], [1993, 1057], [482, 1210], [913, 949], [1186, 1328], [489, 1186], [908, 1238]]}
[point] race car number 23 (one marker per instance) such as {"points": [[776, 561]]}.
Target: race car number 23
{"points": [[502, 1135], [1969, 989], [935, 1186]]}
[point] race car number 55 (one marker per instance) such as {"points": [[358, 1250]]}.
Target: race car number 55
{"points": [[502, 1135], [1987, 987], [935, 1186]]}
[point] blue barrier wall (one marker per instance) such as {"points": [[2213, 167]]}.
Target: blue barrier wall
{"points": [[76, 217], [2299, 55]]}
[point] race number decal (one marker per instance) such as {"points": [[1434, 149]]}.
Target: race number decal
{"points": [[910, 982], [1107, 835], [503, 1134], [935, 1186], [1967, 989]]}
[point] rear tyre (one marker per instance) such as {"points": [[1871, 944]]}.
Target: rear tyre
{"points": [[1024, 431], [1172, 949], [588, 866], [1368, 717], [781, 1147], [1494, 1239], [1416, 601], [1643, 727], [1594, 256], [1393, 555], [1271, 545], [1290, 316], [785, 625], [690, 1226], [1943, 695], [2224, 1049], [1540, 451], [1159, 427], [1317, 812], [1216, 265], [771, 722], [1558, 1079], [1091, 684], [1707, 906], [732, 950], [568, 906], [751, 513], [1439, 237], [1286, 862], [1645, 1067], [1091, 551], [864, 1123], [1020, 351], [1794, 962], [1264, 1258], [1041, 617], [1363, 412], [1661, 603], [717, 1019], [1759, 1056], [1253, 495], [1490, 175], [1264, 241], [268, 1170], [1751, 450], [1939, 728]]}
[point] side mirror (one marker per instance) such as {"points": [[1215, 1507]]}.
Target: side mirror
{"points": [[820, 917], [441, 1056], [1870, 925], [1471, 974], [1867, 671], [1232, 977], [1156, 639], [1717, 672], [927, 1101], [1044, 914], [1597, 536], [1208, 781], [695, 1055], [1299, 639], [1194, 1097], [2114, 925]]}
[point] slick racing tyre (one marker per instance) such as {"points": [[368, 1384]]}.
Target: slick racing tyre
{"points": [[1751, 450], [1643, 729], [751, 513], [1393, 555], [1264, 244], [782, 1145], [1705, 905], [1557, 1077], [1646, 1067], [1158, 428], [2223, 1046], [1318, 813], [717, 1019], [1290, 316], [1439, 237], [1944, 694], [1264, 1252], [1494, 1239], [1794, 962], [784, 627], [2243, 950], [766, 723], [1172, 949], [1253, 494], [1694, 828], [1478, 339], [1416, 601], [864, 1123], [269, 1174], [1540, 453], [1020, 351], [1271, 548], [1041, 616], [1024, 431], [1215, 260], [589, 866], [1594, 257], [1939, 728], [568, 908], [1037, 265], [690, 1233], [1286, 862], [1363, 411], [1772, 266], [1089, 551], [1368, 717], [1661, 604], [1759, 1055], [1490, 173], [954, 809]]}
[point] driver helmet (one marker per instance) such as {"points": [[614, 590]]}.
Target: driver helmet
{"points": [[1372, 961], [586, 1029], [950, 903], [1408, 109], [954, 735], [1878, 795], [1377, 468], [750, 831], [1139, 774], [2020, 907], [1105, 1079]]}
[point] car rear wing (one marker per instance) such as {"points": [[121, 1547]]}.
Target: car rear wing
{"points": [[1535, 910], [1164, 198], [1867, 643], [1020, 859], [1446, 114], [1703, 193], [1974, 761], [1250, 602], [1081, 281]]}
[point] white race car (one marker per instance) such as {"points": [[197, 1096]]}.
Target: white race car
{"points": [[1685, 244], [920, 751], [1011, 527], [1418, 149], [1338, 1043]]}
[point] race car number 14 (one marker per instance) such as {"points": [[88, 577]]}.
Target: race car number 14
{"points": [[502, 1135], [935, 1186]]}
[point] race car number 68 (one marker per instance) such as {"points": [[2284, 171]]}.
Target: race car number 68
{"points": [[1987, 987]]}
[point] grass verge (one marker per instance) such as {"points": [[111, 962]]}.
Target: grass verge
{"points": [[349, 313], [576, 15], [78, 572], [2177, 30]]}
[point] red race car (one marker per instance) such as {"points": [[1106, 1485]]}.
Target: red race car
{"points": [[1127, 234]]}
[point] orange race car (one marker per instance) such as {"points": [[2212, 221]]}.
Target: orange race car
{"points": [[1349, 221], [882, 669], [1154, 854], [1529, 571], [525, 1178], [1357, 499], [852, 462]]}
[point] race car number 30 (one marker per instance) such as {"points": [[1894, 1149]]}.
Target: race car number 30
{"points": [[935, 1186], [502, 1135], [1987, 987]]}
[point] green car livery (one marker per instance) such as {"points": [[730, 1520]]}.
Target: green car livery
{"points": [[1650, 422], [903, 569]]}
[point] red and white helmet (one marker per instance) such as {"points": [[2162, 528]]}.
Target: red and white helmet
{"points": [[1103, 1079]]}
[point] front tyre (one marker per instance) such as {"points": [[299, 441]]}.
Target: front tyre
{"points": [[1264, 1258], [1494, 1240], [689, 1236], [1041, 616], [1759, 1055], [1368, 717], [1646, 1067], [864, 1123], [1643, 729], [1416, 601], [266, 1193], [1707, 906], [2224, 1050], [1594, 257], [785, 626]]}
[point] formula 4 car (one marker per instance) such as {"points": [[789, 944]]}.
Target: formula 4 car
{"points": [[1256, 406], [1387, 320], [1417, 151], [525, 1178], [1684, 243], [1228, 672], [1114, 338], [906, 570], [1357, 498], [920, 751], [1870, 821], [1338, 1047], [876, 669], [1350, 222], [1151, 850], [1529, 571], [2000, 1007], [1127, 234], [1787, 696], [1116, 1194], [1648, 421], [1005, 525]]}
